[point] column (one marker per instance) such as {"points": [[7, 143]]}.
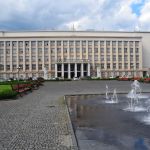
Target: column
{"points": [[37, 60], [24, 58], [88, 69], [82, 74], [55, 70], [4, 59], [10, 57], [43, 62], [117, 61], [69, 71], [62, 70], [134, 60], [75, 70], [30, 59]]}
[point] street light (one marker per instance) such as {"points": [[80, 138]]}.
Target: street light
{"points": [[133, 71], [18, 68]]}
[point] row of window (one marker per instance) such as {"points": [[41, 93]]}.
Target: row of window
{"points": [[65, 50], [90, 57], [40, 67], [70, 43]]}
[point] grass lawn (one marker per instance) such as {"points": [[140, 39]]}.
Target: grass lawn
{"points": [[6, 92], [5, 87]]}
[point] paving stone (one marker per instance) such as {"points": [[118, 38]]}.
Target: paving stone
{"points": [[40, 120]]}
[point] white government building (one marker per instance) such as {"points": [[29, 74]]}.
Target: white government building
{"points": [[69, 54]]}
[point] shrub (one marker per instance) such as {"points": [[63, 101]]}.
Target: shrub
{"points": [[7, 94], [40, 79]]}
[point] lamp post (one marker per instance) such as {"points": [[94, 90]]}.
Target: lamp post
{"points": [[133, 71], [18, 68]]}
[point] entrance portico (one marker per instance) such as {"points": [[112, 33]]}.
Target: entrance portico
{"points": [[72, 69]]}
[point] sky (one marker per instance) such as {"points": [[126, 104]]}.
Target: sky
{"points": [[115, 15]]}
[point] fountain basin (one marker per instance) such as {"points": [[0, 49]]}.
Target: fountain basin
{"points": [[99, 125]]}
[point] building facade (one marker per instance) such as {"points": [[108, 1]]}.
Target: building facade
{"points": [[69, 54]]}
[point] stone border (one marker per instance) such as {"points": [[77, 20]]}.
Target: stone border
{"points": [[75, 145]]}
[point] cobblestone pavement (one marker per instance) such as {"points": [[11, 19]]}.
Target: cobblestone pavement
{"points": [[40, 120]]}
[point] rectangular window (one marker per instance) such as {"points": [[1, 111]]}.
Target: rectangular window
{"points": [[1, 44], [89, 43], [120, 66], [33, 66], [102, 66], [26, 43], [14, 44], [33, 43], [96, 50], [33, 58], [119, 50], [108, 66], [137, 57], [114, 50], [20, 58], [136, 43], [45, 43], [125, 43], [137, 50], [114, 66], [1, 67], [27, 67], [125, 50], [119, 43], [40, 66], [71, 43], [52, 43], [7, 67], [101, 43], [120, 57], [107, 43], [95, 43], [126, 65], [14, 67], [131, 50], [58, 43], [113, 43], [102, 50], [65, 50], [52, 50], [114, 57], [1, 51], [83, 43], [90, 50], [27, 58], [84, 50], [64, 43], [126, 58], [102, 57], [7, 44], [77, 43]]}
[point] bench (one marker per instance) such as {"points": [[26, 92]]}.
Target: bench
{"points": [[147, 80], [21, 88]]}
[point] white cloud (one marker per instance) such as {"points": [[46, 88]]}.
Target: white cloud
{"points": [[144, 18], [62, 14]]}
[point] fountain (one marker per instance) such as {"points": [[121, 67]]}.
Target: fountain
{"points": [[113, 99], [135, 95], [106, 124], [146, 119], [107, 91]]}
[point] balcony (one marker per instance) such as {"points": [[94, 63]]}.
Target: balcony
{"points": [[72, 61]]}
